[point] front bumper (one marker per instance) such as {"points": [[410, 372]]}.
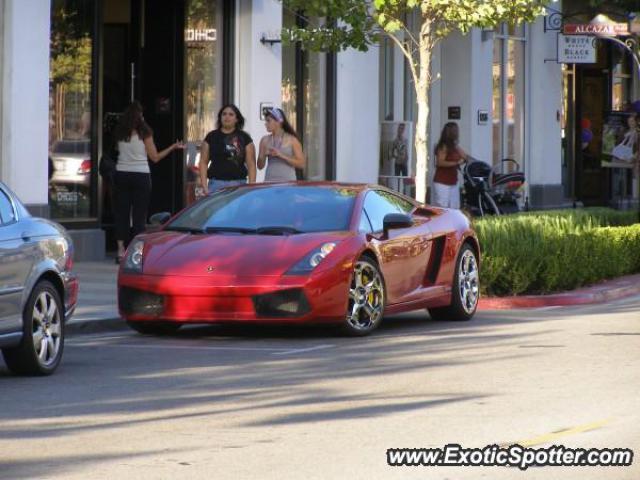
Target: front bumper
{"points": [[213, 299]]}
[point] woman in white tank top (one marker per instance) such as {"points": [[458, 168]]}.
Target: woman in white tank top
{"points": [[281, 147], [133, 179]]}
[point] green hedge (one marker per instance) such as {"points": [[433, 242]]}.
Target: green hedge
{"points": [[542, 252]]}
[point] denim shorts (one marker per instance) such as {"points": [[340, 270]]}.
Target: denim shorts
{"points": [[215, 184]]}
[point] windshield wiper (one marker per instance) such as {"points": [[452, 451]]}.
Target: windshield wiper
{"points": [[229, 229], [178, 228], [277, 230]]}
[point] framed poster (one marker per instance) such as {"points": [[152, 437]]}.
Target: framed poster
{"points": [[619, 140], [397, 160]]}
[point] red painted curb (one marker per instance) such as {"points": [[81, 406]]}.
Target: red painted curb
{"points": [[602, 292]]}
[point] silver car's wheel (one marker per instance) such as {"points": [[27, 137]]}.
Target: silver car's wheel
{"points": [[366, 298], [40, 350]]}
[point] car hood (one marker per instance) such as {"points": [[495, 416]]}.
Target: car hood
{"points": [[185, 254]]}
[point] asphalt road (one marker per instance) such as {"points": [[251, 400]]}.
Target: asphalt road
{"points": [[269, 403]]}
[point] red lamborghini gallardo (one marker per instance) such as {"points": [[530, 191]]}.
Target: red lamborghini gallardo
{"points": [[300, 252]]}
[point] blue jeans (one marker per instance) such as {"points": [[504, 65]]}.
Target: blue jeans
{"points": [[215, 184]]}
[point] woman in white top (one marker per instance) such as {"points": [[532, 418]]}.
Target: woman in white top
{"points": [[133, 178], [281, 146]]}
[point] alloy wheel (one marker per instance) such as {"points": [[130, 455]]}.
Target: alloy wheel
{"points": [[47, 328], [366, 297], [468, 281]]}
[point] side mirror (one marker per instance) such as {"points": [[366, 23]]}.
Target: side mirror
{"points": [[160, 218], [396, 220]]}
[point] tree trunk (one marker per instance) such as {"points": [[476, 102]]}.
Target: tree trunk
{"points": [[422, 97]]}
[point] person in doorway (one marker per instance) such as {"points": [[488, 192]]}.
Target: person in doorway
{"points": [[399, 152], [228, 155], [281, 147], [132, 180], [449, 156]]}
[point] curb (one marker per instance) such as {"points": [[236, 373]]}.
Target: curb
{"points": [[603, 292]]}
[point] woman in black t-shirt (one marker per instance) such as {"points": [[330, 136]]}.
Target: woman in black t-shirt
{"points": [[230, 150]]}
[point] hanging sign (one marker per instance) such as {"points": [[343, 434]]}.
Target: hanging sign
{"points": [[576, 49], [611, 29]]}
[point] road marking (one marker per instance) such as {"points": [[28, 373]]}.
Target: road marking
{"points": [[542, 309], [550, 437], [178, 347], [272, 350], [304, 350]]}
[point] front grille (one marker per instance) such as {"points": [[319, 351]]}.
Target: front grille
{"points": [[138, 302], [285, 303]]}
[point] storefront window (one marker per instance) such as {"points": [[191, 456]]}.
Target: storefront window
{"points": [[304, 100], [313, 133], [1, 76], [203, 78], [71, 166], [289, 83], [386, 59], [508, 93], [620, 79]]}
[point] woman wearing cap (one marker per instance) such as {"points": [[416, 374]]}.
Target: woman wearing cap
{"points": [[281, 146], [231, 152]]}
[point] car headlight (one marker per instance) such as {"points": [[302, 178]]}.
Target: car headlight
{"points": [[312, 259], [133, 258]]}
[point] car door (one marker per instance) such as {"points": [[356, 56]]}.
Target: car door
{"points": [[403, 254], [14, 267]]}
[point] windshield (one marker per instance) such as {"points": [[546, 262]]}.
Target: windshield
{"points": [[272, 210]]}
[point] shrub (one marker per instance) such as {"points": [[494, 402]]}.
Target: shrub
{"points": [[542, 252]]}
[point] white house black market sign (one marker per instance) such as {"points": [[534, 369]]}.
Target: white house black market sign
{"points": [[576, 49]]}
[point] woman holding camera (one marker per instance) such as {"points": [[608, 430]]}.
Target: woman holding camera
{"points": [[281, 147]]}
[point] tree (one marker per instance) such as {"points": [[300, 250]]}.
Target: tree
{"points": [[360, 23]]}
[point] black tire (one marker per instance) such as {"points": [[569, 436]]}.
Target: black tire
{"points": [[466, 288], [42, 318], [487, 205], [365, 307], [155, 327]]}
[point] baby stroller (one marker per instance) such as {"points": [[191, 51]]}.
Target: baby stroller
{"points": [[490, 192]]}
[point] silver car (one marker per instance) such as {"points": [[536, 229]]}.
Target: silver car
{"points": [[38, 290], [71, 163]]}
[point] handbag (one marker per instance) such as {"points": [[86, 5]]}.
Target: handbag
{"points": [[107, 167], [624, 150]]}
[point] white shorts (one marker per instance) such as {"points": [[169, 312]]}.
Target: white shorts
{"points": [[447, 196]]}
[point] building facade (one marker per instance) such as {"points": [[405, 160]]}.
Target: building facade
{"points": [[64, 80]]}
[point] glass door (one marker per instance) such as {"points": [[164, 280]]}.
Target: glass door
{"points": [[72, 172], [203, 57]]}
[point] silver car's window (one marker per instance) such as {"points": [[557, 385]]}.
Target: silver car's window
{"points": [[7, 212]]}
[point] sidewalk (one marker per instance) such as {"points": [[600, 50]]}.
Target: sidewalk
{"points": [[602, 292], [97, 299], [98, 310]]}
